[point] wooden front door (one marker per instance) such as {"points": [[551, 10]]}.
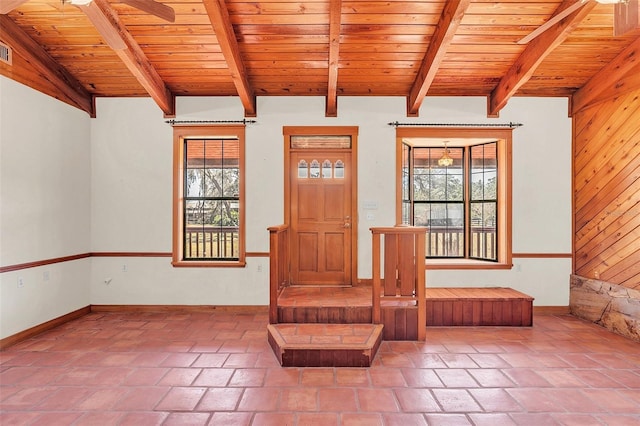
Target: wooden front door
{"points": [[321, 204], [321, 216]]}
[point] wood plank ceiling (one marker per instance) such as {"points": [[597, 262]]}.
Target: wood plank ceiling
{"points": [[330, 48]]}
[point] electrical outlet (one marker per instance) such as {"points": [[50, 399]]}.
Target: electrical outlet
{"points": [[20, 282], [259, 268], [45, 276], [124, 268]]}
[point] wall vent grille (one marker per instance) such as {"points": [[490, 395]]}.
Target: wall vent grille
{"points": [[6, 53]]}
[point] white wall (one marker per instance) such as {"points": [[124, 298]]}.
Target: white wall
{"points": [[132, 208], [44, 206], [541, 198], [132, 148], [71, 185]]}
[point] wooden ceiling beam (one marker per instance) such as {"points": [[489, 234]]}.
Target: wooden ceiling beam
{"points": [[154, 8], [221, 22], [108, 24], [33, 53], [533, 55], [335, 14], [445, 30], [619, 75]]}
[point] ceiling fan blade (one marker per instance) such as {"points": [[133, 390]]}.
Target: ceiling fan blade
{"points": [[7, 6], [154, 8], [625, 17], [552, 21]]}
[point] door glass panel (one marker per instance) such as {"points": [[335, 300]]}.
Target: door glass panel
{"points": [[326, 169], [339, 171], [303, 169], [314, 169]]}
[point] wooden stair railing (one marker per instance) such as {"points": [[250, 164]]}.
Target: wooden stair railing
{"points": [[403, 283], [278, 266]]}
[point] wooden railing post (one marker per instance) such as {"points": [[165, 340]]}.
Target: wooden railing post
{"points": [[375, 286], [421, 284], [403, 290], [278, 267]]}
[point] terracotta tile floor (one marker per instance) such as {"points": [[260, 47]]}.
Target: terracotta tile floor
{"points": [[217, 369]]}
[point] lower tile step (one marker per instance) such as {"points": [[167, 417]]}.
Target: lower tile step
{"points": [[325, 345]]}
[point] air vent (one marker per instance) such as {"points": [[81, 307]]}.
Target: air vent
{"points": [[5, 53]]}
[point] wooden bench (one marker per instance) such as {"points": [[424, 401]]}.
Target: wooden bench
{"points": [[479, 306]]}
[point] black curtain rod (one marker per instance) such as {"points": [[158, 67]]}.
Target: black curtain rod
{"points": [[243, 121], [510, 124]]}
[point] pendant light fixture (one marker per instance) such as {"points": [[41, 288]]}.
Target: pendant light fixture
{"points": [[445, 160]]}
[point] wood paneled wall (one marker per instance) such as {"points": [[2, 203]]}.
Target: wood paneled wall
{"points": [[607, 191]]}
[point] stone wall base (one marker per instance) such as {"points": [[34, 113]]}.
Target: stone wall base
{"points": [[612, 306]]}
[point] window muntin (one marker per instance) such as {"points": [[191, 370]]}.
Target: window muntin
{"points": [[493, 210], [208, 196]]}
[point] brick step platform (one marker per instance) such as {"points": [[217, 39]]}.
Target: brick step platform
{"points": [[325, 345]]}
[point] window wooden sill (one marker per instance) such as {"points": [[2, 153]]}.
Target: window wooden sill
{"points": [[465, 264], [208, 264]]}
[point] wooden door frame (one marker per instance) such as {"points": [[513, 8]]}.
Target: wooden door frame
{"points": [[352, 131]]}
